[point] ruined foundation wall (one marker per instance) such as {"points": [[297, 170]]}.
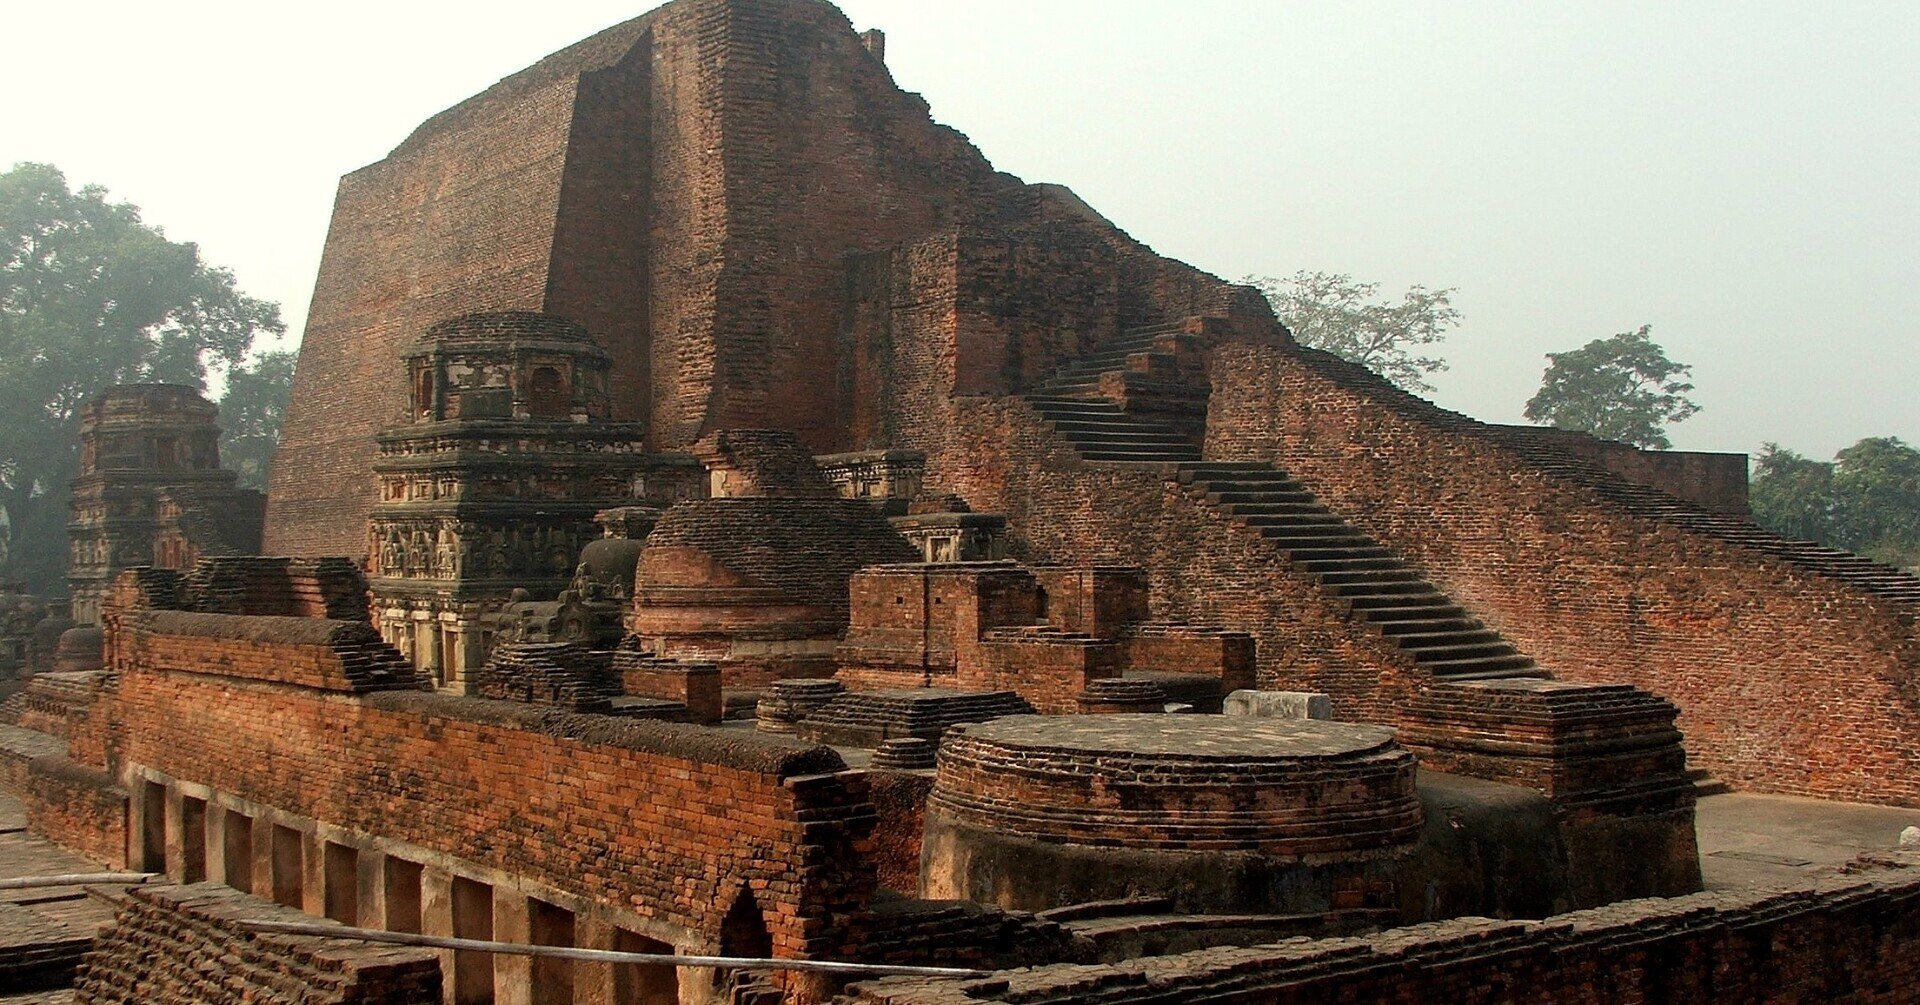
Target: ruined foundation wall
{"points": [[75, 806], [1844, 940], [186, 943], [667, 820], [1787, 681], [1201, 568]]}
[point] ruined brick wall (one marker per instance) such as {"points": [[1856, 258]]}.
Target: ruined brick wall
{"points": [[997, 454], [688, 185], [668, 820], [1847, 940], [186, 943], [282, 587], [1715, 480], [995, 309], [900, 809], [1787, 681], [313, 653], [77, 807], [684, 184]]}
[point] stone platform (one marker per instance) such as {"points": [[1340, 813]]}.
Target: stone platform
{"points": [[43, 932], [869, 718], [1218, 814]]}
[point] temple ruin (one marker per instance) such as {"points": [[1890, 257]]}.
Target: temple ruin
{"points": [[722, 518]]}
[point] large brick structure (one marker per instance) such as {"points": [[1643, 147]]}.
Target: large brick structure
{"points": [[761, 230], [711, 281]]}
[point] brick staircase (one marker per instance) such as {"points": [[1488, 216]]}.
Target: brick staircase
{"points": [[1863, 573], [1872, 577], [1379, 589], [1083, 375], [1098, 428]]}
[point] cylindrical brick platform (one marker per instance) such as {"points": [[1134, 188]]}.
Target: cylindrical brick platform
{"points": [[1223, 814]]}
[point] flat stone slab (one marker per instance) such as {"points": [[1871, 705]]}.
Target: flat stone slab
{"points": [[1279, 705], [1749, 840], [1193, 737]]}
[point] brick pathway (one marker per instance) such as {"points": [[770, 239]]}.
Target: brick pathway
{"points": [[36, 923]]}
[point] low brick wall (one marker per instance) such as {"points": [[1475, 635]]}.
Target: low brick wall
{"points": [[307, 652], [184, 944], [900, 799], [1841, 940], [672, 821], [78, 807]]}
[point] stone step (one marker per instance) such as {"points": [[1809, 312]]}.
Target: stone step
{"points": [[1432, 653], [1263, 475], [1480, 665], [1414, 612], [1141, 435], [1238, 498], [1279, 484], [1299, 546], [1397, 601], [1101, 362], [1313, 554], [1461, 636], [1168, 457], [1517, 672], [1290, 529], [1276, 509], [1210, 469], [1080, 408], [1096, 422], [1059, 384], [1342, 563], [1355, 576], [1414, 624], [1704, 784], [1380, 587], [1319, 518]]}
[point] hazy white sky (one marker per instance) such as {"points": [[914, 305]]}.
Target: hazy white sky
{"points": [[1740, 175]]}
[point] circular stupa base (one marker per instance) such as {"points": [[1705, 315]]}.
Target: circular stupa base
{"points": [[1222, 815]]}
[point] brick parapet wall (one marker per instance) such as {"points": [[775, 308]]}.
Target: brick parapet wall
{"points": [[667, 820], [54, 703], [77, 807], [346, 656], [1788, 681], [1716, 481], [1231, 656], [1844, 940]]}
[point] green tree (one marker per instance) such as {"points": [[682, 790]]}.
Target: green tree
{"points": [[1866, 500], [1791, 494], [1621, 388], [91, 296], [251, 412], [1876, 498], [1336, 313]]}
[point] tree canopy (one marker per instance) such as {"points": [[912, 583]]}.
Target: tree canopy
{"points": [[90, 296], [1621, 388], [1866, 500], [251, 413], [1345, 317]]}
